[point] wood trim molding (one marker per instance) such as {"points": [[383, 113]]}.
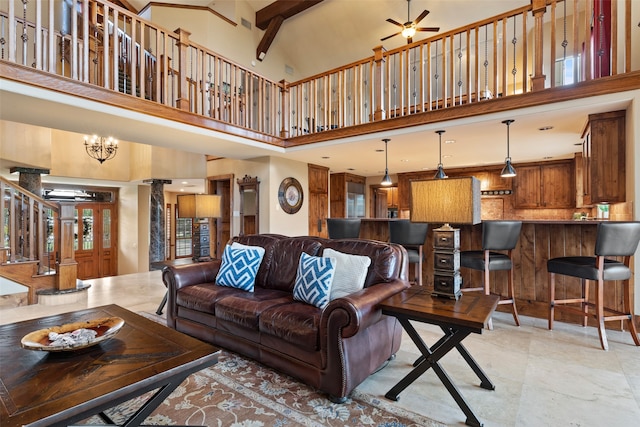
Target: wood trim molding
{"points": [[186, 6]]}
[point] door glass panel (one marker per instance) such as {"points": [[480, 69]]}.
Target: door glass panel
{"points": [[75, 229], [106, 228], [87, 229], [183, 237]]}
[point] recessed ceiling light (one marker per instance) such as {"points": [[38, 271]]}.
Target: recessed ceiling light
{"points": [[379, 150], [184, 182], [450, 141], [543, 128], [182, 189], [326, 157], [547, 157], [404, 160], [350, 169], [447, 156]]}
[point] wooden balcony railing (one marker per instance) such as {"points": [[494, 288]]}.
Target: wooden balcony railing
{"points": [[547, 44], [96, 42]]}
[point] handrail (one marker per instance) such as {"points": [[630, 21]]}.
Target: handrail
{"points": [[30, 231], [140, 59], [516, 52], [531, 48]]}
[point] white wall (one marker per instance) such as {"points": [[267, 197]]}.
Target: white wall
{"points": [[237, 43], [270, 171]]}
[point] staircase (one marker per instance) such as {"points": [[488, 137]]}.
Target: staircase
{"points": [[30, 239]]}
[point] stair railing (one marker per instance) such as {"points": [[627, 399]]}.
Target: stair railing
{"points": [[28, 227]]}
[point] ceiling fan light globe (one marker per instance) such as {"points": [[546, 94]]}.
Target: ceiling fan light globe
{"points": [[409, 32]]}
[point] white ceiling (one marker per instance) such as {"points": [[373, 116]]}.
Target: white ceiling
{"points": [[324, 28]]}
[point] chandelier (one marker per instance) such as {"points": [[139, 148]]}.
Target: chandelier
{"points": [[101, 148]]}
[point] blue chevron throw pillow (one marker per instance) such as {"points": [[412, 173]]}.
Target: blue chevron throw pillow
{"points": [[239, 268], [314, 279]]}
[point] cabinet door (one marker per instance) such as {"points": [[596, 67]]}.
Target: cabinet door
{"points": [[558, 186], [318, 200], [608, 158], [527, 191]]}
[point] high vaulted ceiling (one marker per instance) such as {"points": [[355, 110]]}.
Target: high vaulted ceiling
{"points": [[337, 32]]}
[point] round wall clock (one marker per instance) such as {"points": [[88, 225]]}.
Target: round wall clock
{"points": [[290, 195]]}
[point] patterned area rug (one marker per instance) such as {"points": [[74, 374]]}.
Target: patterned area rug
{"points": [[239, 392]]}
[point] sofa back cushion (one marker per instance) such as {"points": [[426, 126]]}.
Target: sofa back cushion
{"points": [[265, 241], [386, 259], [284, 256]]}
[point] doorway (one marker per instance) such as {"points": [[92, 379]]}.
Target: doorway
{"points": [[221, 229], [95, 240]]}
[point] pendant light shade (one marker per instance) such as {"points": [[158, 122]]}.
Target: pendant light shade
{"points": [[508, 171], [386, 181], [440, 172]]}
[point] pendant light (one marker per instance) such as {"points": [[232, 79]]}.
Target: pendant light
{"points": [[386, 181], [440, 173], [508, 171]]}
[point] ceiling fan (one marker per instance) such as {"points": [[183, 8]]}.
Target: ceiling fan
{"points": [[409, 28]]}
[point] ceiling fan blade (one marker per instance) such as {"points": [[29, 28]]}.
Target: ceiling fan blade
{"points": [[432, 29], [395, 23], [421, 17], [392, 35]]}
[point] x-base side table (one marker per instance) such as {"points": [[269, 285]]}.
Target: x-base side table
{"points": [[457, 319]]}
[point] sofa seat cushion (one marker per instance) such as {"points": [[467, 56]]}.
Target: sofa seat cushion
{"points": [[244, 309], [297, 323], [203, 297]]}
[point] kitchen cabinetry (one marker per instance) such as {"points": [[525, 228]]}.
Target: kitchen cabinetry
{"points": [[346, 195], [318, 200], [550, 185], [603, 157]]}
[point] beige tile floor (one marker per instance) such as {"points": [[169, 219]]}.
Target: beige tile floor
{"points": [[542, 378]]}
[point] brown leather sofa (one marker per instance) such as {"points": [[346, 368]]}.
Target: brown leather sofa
{"points": [[332, 349]]}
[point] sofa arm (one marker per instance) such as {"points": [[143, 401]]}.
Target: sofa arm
{"points": [[360, 309], [176, 277]]}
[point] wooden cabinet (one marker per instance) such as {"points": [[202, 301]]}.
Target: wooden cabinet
{"points": [[550, 186], [603, 156], [492, 181], [392, 197], [346, 195], [318, 200]]}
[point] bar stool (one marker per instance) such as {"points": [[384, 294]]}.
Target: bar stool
{"points": [[496, 236], [411, 235], [343, 228], [614, 239]]}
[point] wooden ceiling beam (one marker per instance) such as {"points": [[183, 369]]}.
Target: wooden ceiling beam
{"points": [[270, 19], [269, 35], [284, 8]]}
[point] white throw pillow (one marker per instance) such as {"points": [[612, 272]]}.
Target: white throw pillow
{"points": [[351, 272]]}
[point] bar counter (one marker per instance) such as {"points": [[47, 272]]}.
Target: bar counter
{"points": [[539, 241]]}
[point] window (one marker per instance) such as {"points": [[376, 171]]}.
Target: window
{"points": [[184, 237], [567, 70]]}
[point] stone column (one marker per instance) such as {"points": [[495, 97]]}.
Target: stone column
{"points": [[30, 179], [157, 234]]}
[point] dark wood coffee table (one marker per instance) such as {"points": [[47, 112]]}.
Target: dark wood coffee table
{"points": [[57, 389], [457, 319]]}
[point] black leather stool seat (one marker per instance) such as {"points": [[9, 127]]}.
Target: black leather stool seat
{"points": [[496, 236], [614, 239], [343, 228], [475, 260], [586, 268], [411, 235]]}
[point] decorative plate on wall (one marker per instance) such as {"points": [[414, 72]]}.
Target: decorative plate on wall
{"points": [[290, 195]]}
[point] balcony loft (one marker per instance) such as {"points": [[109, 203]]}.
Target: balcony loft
{"points": [[527, 57]]}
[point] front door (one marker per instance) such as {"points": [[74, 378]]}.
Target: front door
{"points": [[95, 244]]}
